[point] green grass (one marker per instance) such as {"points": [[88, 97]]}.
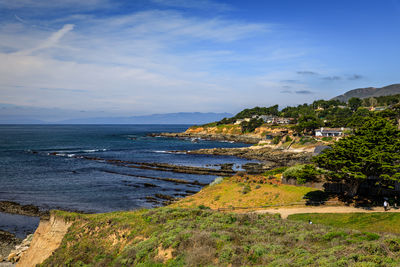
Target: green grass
{"points": [[203, 237], [374, 222]]}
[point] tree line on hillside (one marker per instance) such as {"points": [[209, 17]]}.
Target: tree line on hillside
{"points": [[320, 113]]}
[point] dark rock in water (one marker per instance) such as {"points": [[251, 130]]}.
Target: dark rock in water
{"points": [[15, 208], [166, 197], [226, 167], [152, 200], [149, 185], [191, 192], [180, 195], [7, 242]]}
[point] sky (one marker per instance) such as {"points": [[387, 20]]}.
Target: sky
{"points": [[126, 58]]}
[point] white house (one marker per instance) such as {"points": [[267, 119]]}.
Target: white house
{"points": [[242, 120], [330, 132]]}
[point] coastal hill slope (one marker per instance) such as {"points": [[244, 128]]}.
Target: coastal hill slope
{"points": [[369, 92]]}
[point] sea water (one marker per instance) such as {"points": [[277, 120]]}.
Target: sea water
{"points": [[40, 165]]}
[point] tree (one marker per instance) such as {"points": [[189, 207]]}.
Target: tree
{"points": [[354, 103], [373, 102], [308, 123], [251, 125], [372, 152]]}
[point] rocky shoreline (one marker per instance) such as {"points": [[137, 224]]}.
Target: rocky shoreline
{"points": [[27, 210], [270, 156], [215, 137], [8, 242]]}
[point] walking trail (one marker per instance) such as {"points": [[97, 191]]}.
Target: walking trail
{"points": [[285, 212]]}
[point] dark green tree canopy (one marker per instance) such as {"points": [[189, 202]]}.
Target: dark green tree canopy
{"points": [[354, 103], [372, 152]]}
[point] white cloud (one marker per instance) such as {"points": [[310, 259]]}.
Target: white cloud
{"points": [[49, 42], [145, 62], [195, 4], [58, 4]]}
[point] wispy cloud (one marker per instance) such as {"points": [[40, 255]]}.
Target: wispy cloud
{"points": [[355, 77], [304, 92], [332, 78], [307, 72], [59, 4], [195, 4], [50, 41]]}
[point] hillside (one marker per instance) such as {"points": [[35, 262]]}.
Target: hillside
{"points": [[199, 237], [369, 92]]}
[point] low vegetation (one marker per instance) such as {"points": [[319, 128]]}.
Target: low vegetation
{"points": [[373, 222], [302, 173], [202, 237]]}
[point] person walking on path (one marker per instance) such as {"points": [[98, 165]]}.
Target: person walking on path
{"points": [[386, 205]]}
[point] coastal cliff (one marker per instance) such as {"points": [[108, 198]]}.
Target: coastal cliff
{"points": [[229, 132], [46, 239]]}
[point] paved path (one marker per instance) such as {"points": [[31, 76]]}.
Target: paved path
{"points": [[285, 212]]}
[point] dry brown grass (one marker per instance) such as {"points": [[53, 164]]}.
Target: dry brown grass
{"points": [[231, 193]]}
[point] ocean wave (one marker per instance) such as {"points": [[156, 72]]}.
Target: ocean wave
{"points": [[70, 151], [169, 152]]}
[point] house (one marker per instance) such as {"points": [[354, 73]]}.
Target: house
{"points": [[273, 119], [265, 118], [242, 120], [330, 132], [377, 108], [281, 120]]}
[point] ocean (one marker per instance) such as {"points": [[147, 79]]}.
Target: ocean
{"points": [[47, 165]]}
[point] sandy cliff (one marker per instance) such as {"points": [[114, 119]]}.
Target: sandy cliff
{"points": [[47, 238]]}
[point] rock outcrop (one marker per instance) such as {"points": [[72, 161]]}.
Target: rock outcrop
{"points": [[217, 137], [7, 242], [27, 210], [20, 249], [274, 157], [46, 239]]}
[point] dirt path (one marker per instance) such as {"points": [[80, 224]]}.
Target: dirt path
{"points": [[285, 212]]}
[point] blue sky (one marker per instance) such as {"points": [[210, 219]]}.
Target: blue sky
{"points": [[113, 58]]}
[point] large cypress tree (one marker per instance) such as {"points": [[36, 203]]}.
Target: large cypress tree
{"points": [[373, 151]]}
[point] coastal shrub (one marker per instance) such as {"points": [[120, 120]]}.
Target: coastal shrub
{"points": [[288, 139], [246, 189], [275, 171], [302, 173], [217, 180], [276, 140], [306, 139]]}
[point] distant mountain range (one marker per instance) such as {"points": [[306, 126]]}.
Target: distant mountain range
{"points": [[168, 118], [369, 92]]}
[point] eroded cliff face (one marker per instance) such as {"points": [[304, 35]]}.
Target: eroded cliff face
{"points": [[259, 132], [46, 239], [231, 129]]}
